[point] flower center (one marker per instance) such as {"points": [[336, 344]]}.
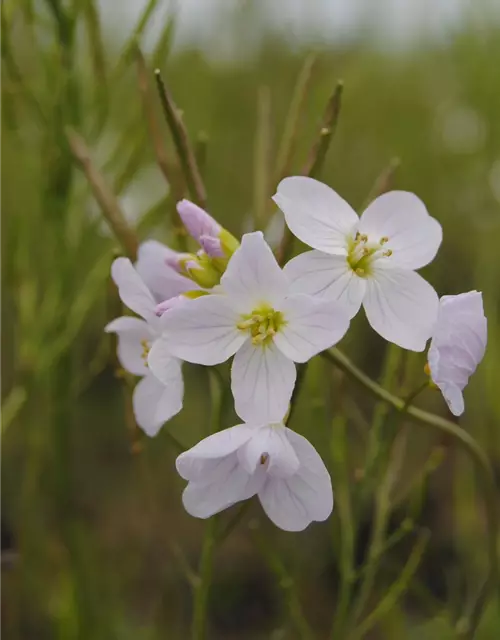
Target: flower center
{"points": [[145, 351], [263, 324], [363, 252]]}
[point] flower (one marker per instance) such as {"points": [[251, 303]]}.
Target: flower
{"points": [[156, 398], [255, 316], [153, 265], [368, 260], [271, 461], [457, 346]]}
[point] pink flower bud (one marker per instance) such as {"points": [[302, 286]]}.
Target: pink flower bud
{"points": [[212, 246], [197, 221]]}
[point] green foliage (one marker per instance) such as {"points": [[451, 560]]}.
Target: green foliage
{"points": [[98, 545]]}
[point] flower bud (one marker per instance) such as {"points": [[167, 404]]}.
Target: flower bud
{"points": [[212, 246], [197, 221], [200, 269]]}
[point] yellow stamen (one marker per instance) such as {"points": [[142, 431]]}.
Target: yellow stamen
{"points": [[387, 253], [383, 240]]}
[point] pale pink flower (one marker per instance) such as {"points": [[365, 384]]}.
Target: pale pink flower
{"points": [[156, 398], [271, 461], [457, 346], [369, 260], [255, 316]]}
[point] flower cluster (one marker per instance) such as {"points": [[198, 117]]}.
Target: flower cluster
{"points": [[233, 299]]}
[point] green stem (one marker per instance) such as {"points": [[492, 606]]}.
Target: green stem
{"points": [[202, 585], [467, 625]]}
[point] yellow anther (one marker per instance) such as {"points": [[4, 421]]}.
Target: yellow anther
{"points": [[387, 253], [246, 324], [366, 251], [264, 458], [383, 240], [357, 236], [271, 331], [363, 237], [360, 272]]}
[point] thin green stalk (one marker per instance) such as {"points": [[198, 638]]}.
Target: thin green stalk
{"points": [[396, 590], [382, 512], [182, 143], [287, 584], [467, 625], [202, 585], [346, 522], [316, 159]]}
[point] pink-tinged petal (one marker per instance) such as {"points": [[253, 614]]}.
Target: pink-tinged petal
{"points": [[132, 290], [197, 221], [202, 461], [269, 448], [202, 330], [253, 275], [262, 381], [311, 325], [212, 246], [401, 306], [293, 503], [155, 403], [316, 214], [133, 335], [205, 499], [153, 267], [458, 345], [319, 274], [413, 236]]}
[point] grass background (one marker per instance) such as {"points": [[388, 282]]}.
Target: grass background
{"points": [[95, 543]]}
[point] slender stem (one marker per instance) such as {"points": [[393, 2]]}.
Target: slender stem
{"points": [[396, 590], [468, 624], [202, 585], [316, 159], [104, 196], [382, 512], [182, 144]]}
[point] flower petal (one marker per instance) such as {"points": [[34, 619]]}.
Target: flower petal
{"points": [[155, 403], [312, 325], [202, 330], [262, 381], [413, 236], [458, 345], [293, 503], [161, 279], [316, 214], [253, 275], [319, 274], [269, 448], [132, 290], [133, 335], [401, 306], [200, 461]]}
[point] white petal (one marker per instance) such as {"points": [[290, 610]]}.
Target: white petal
{"points": [[319, 274], [312, 325], [198, 462], [155, 403], [262, 381], [164, 366], [414, 237], [269, 448], [401, 306], [458, 345], [316, 214], [161, 279], [293, 503], [202, 499], [253, 275], [133, 333], [132, 290], [202, 330]]}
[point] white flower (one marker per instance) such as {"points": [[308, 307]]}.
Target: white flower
{"points": [[457, 346], [156, 398], [368, 260], [271, 461], [257, 319], [153, 266]]}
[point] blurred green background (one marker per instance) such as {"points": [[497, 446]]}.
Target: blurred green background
{"points": [[95, 542]]}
